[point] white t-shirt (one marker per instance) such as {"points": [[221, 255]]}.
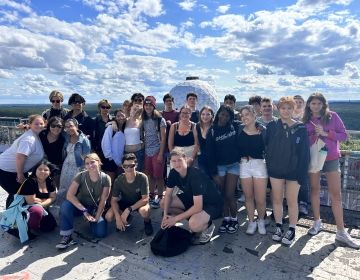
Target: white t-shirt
{"points": [[28, 144]]}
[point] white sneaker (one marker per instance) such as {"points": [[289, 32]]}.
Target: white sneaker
{"points": [[251, 229], [261, 227], [316, 228], [345, 238]]}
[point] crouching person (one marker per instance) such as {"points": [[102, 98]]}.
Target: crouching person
{"points": [[130, 193], [195, 198], [86, 196]]}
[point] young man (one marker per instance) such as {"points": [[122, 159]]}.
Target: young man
{"points": [[266, 109], [191, 100], [155, 140], [196, 198], [230, 101], [299, 108], [137, 98], [130, 193], [256, 101], [57, 110]]}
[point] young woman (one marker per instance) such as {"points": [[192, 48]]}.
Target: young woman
{"points": [[183, 135], [327, 125], [202, 128], [86, 196], [113, 144], [76, 147], [223, 158], [20, 157], [154, 127], [133, 135], [57, 110], [101, 119], [287, 160], [53, 141], [253, 173], [40, 193]]}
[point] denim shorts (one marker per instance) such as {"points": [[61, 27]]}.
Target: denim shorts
{"points": [[253, 168], [233, 168], [331, 165]]}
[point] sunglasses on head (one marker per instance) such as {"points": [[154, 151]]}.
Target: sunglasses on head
{"points": [[56, 125], [105, 107], [125, 166], [55, 101]]}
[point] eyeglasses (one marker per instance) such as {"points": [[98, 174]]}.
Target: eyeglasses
{"points": [[125, 166], [106, 107], [56, 125], [138, 100], [55, 101]]}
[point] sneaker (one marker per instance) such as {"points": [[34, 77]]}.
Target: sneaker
{"points": [[316, 228], [303, 208], [277, 236], [251, 229], [223, 227], [344, 238], [232, 227], [206, 235], [289, 237], [148, 228], [261, 226], [65, 242], [241, 198], [154, 203]]}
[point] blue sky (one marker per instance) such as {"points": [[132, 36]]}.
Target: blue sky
{"points": [[111, 49]]}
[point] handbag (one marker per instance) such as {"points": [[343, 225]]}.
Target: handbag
{"points": [[318, 154], [171, 241]]}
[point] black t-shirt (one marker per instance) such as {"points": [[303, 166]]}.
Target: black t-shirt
{"points": [[53, 150], [251, 145], [30, 187], [195, 183]]}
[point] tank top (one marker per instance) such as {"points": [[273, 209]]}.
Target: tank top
{"points": [[184, 140], [132, 135], [201, 139]]}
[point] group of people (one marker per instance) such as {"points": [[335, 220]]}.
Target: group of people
{"points": [[107, 167]]}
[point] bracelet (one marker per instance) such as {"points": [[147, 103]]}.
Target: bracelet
{"points": [[84, 210]]}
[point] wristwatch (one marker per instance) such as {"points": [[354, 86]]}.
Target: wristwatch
{"points": [[130, 209]]}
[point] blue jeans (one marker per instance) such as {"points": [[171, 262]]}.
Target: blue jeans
{"points": [[140, 156], [67, 214]]}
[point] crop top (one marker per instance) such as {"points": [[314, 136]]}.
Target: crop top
{"points": [[132, 136]]}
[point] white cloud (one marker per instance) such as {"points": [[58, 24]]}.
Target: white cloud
{"points": [[223, 9], [187, 5], [16, 6], [5, 74]]}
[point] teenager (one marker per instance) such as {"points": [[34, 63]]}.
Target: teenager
{"points": [[253, 173], [223, 161], [195, 198], [287, 160], [255, 101], [230, 101], [130, 193], [191, 101], [267, 112], [57, 110], [86, 197], [154, 128], [327, 125]]}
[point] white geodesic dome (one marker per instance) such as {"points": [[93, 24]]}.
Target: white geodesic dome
{"points": [[205, 92]]}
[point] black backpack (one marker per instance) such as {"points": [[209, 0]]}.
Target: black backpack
{"points": [[281, 155], [171, 241]]}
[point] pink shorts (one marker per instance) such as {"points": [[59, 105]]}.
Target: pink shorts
{"points": [[153, 167]]}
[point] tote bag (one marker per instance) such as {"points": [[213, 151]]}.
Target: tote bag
{"points": [[318, 154]]}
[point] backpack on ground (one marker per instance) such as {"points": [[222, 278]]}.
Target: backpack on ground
{"points": [[171, 241]]}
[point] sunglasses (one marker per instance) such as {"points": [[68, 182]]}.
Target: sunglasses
{"points": [[125, 166], [105, 107], [55, 101], [138, 100], [56, 125], [77, 102]]}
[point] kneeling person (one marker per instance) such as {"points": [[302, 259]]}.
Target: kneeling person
{"points": [[197, 198], [130, 193]]}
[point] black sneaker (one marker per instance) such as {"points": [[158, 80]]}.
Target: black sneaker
{"points": [[65, 242], [278, 234], [232, 227], [289, 237], [148, 228], [223, 227]]}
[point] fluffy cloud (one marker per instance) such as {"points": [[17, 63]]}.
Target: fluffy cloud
{"points": [[5, 74], [24, 8], [223, 9], [187, 5]]}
